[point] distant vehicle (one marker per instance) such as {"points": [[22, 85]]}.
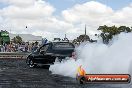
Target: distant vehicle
{"points": [[47, 53]]}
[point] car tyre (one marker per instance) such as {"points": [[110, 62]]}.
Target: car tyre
{"points": [[58, 59], [31, 64], [28, 60], [82, 80]]}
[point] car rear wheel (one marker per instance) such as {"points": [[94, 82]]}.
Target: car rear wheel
{"points": [[58, 59], [27, 61], [82, 80]]}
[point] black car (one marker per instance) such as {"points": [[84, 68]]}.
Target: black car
{"points": [[47, 53]]}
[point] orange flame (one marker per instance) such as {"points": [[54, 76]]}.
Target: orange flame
{"points": [[81, 71]]}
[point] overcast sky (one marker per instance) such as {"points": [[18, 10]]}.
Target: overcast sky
{"points": [[54, 18]]}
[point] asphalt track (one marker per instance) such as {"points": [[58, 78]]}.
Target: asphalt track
{"points": [[15, 73]]}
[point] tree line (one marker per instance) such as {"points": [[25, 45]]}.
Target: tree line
{"points": [[107, 33]]}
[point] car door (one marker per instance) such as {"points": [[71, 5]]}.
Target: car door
{"points": [[48, 55], [41, 54]]}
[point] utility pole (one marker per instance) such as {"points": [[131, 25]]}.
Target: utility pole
{"points": [[85, 33], [65, 36], [85, 30]]}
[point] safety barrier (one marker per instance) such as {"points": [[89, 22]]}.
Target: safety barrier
{"points": [[13, 55]]}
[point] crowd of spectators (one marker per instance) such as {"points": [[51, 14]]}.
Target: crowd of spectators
{"points": [[23, 47]]}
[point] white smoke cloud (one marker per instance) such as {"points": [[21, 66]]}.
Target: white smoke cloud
{"points": [[99, 58]]}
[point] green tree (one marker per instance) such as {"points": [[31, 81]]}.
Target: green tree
{"points": [[17, 39], [124, 29], [81, 39], [108, 32]]}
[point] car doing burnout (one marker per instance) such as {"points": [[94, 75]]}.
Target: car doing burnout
{"points": [[47, 53]]}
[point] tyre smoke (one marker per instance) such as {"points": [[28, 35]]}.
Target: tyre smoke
{"points": [[98, 58]]}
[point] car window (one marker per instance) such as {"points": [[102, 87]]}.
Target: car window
{"points": [[63, 45]]}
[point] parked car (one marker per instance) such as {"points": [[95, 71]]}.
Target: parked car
{"points": [[47, 53]]}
